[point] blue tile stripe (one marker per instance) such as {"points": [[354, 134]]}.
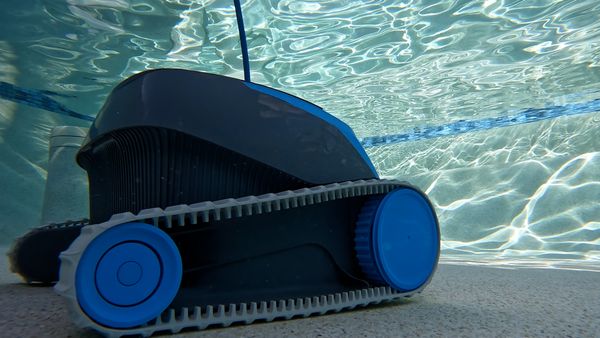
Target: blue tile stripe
{"points": [[38, 99], [462, 126]]}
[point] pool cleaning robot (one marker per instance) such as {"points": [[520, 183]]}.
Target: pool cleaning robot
{"points": [[215, 201]]}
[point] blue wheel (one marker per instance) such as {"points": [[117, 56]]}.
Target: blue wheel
{"points": [[128, 275], [398, 240]]}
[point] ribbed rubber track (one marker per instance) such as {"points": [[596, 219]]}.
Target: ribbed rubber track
{"points": [[34, 256], [174, 320]]}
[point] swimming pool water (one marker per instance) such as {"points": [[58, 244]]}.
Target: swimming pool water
{"points": [[525, 193]]}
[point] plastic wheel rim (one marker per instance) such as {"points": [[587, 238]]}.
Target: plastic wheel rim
{"points": [[128, 275], [405, 239]]}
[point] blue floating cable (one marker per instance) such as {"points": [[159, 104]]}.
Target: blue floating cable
{"points": [[240, 22]]}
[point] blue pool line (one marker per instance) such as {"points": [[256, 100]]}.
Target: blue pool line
{"points": [[37, 99], [460, 127], [40, 99]]}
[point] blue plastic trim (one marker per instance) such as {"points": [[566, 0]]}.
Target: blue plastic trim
{"points": [[320, 113], [128, 275], [406, 240], [244, 45]]}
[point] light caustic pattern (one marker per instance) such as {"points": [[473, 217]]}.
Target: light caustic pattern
{"points": [[514, 195], [558, 222], [404, 69]]}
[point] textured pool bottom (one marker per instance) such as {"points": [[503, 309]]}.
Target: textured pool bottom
{"points": [[512, 262], [461, 301]]}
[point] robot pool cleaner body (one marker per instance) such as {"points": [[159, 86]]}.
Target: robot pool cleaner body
{"points": [[215, 200]]}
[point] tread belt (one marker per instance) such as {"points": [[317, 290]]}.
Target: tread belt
{"points": [[174, 320], [42, 230]]}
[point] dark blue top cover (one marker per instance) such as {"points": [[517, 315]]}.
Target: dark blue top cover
{"points": [[272, 127]]}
